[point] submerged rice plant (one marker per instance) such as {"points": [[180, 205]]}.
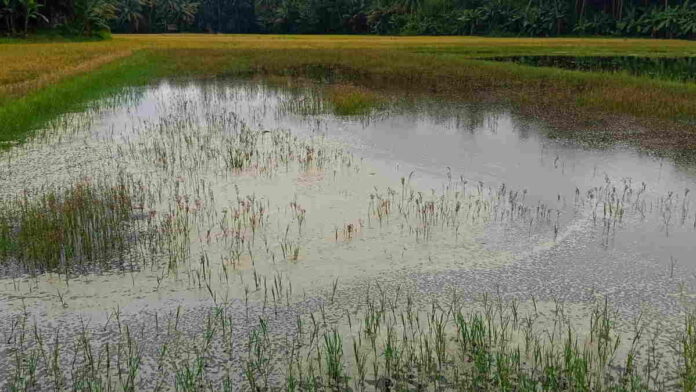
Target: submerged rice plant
{"points": [[84, 224], [353, 100], [490, 345], [222, 199]]}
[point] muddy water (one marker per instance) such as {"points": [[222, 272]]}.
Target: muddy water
{"points": [[430, 196], [436, 141]]}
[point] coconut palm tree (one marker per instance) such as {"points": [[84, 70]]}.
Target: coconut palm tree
{"points": [[130, 14]]}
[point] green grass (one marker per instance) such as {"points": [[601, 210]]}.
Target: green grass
{"points": [[20, 116]]}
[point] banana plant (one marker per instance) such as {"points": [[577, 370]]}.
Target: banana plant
{"points": [[687, 20], [471, 18], [94, 15], [7, 11], [31, 12]]}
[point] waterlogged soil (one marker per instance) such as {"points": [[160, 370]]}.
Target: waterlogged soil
{"points": [[429, 198]]}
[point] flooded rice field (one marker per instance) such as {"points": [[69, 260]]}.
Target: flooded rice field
{"points": [[682, 69], [238, 235]]}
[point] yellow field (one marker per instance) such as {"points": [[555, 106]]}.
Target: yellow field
{"points": [[29, 66], [443, 65], [472, 44]]}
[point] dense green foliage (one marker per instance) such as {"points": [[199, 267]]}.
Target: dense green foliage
{"points": [[653, 18]]}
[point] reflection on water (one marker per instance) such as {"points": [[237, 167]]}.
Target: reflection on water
{"points": [[493, 146], [428, 195], [433, 143], [681, 69]]}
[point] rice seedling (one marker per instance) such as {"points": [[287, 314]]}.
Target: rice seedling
{"points": [[482, 346], [212, 202], [353, 100], [85, 224]]}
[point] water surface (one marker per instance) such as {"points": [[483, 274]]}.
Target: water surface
{"points": [[430, 196]]}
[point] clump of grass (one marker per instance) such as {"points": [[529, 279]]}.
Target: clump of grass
{"points": [[83, 224], [349, 100], [6, 245], [688, 353]]}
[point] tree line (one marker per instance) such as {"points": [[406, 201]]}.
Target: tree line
{"points": [[535, 18]]}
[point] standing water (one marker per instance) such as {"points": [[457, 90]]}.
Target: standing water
{"points": [[257, 202]]}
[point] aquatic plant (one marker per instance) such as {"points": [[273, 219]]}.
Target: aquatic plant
{"points": [[353, 100], [85, 224], [192, 210], [489, 345]]}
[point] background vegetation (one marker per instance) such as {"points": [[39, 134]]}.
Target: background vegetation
{"points": [[645, 18]]}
